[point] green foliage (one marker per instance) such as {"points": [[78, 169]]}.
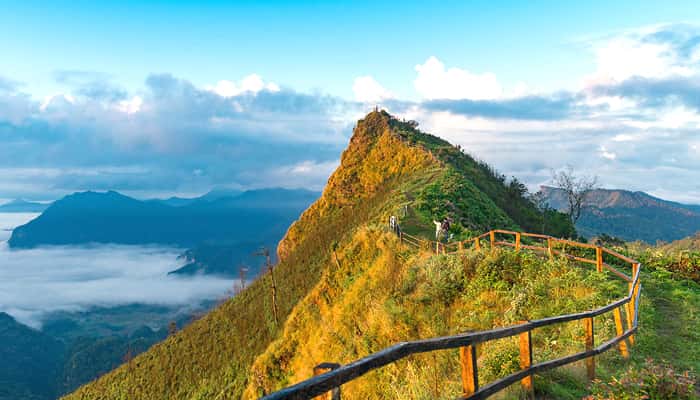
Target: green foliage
{"points": [[648, 381], [509, 195]]}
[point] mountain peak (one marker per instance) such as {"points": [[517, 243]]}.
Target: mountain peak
{"points": [[390, 168]]}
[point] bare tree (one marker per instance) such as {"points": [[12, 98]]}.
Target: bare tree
{"points": [[575, 189]]}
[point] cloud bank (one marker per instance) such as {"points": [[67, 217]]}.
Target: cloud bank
{"points": [[37, 282], [634, 119]]}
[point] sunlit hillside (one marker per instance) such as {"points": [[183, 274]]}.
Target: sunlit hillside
{"points": [[389, 166]]}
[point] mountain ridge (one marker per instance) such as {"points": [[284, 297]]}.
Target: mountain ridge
{"points": [[631, 215], [389, 168]]}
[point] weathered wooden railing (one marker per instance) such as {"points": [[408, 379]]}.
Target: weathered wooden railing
{"points": [[467, 342]]}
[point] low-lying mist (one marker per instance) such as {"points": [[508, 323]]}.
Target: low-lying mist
{"points": [[37, 282]]}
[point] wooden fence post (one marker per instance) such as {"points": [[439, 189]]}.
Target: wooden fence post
{"points": [[517, 241], [470, 373], [526, 362], [631, 308], [492, 237], [629, 314], [590, 361], [460, 246], [599, 259], [477, 243], [549, 247], [620, 331], [333, 394]]}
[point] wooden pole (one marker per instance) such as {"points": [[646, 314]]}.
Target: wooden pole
{"points": [[599, 259], [477, 244], [549, 246], [629, 315], [620, 331], [333, 394], [470, 373], [492, 237], [590, 343], [460, 246], [631, 309], [526, 362], [274, 289], [517, 241]]}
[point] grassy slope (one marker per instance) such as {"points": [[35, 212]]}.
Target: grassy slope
{"points": [[380, 293], [211, 357]]}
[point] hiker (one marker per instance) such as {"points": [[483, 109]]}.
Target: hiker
{"points": [[394, 225], [438, 229], [445, 228]]}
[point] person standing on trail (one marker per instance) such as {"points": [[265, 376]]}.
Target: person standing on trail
{"points": [[438, 229], [394, 225], [445, 228]]}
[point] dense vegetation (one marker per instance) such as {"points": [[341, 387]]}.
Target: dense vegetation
{"points": [[35, 360], [406, 295], [64, 354]]}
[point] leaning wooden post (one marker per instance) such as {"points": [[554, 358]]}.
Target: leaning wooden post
{"points": [[620, 331], [526, 362], [590, 361], [333, 394], [517, 241], [470, 374], [599, 259]]}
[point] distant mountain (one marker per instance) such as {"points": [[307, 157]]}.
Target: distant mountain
{"points": [[22, 206], [212, 195], [631, 215], [223, 232]]}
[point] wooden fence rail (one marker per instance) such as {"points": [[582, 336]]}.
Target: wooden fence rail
{"points": [[467, 342]]}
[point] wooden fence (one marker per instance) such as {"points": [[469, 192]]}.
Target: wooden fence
{"points": [[328, 383]]}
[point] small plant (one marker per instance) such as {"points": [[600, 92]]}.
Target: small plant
{"points": [[650, 381]]}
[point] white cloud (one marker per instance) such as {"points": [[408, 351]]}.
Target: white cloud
{"points": [[56, 100], [649, 52], [252, 83], [130, 106], [368, 90], [608, 155], [436, 82]]}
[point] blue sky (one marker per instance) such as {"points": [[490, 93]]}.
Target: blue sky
{"points": [[313, 45], [177, 97]]}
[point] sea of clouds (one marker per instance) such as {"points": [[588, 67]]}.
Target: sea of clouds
{"points": [[37, 282]]}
